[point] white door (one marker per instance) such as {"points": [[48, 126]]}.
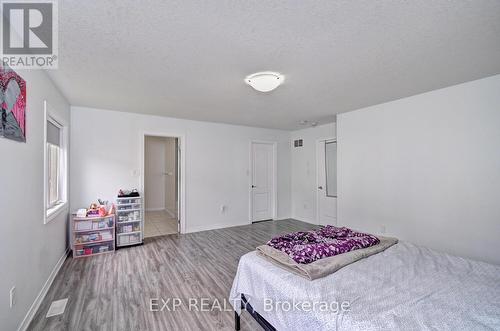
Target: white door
{"points": [[178, 181], [327, 182], [262, 181]]}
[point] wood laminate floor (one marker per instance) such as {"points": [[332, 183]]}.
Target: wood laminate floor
{"points": [[113, 291]]}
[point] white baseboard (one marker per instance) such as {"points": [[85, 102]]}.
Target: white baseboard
{"points": [[155, 209], [305, 220], [43, 292], [208, 227], [223, 225], [171, 213]]}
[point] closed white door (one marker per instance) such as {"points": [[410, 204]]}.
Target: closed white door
{"points": [[327, 182], [262, 181]]}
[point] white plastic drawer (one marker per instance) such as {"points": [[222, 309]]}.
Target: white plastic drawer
{"points": [[130, 206], [128, 216], [128, 201]]}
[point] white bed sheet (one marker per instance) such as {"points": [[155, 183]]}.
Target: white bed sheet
{"points": [[406, 287]]}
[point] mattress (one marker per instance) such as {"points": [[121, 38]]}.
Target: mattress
{"points": [[406, 287]]}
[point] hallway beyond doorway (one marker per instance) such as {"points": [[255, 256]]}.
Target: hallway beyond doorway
{"points": [[159, 223]]}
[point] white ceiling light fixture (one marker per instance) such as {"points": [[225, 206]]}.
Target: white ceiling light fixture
{"points": [[265, 81], [307, 122]]}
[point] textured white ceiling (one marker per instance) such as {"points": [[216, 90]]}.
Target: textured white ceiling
{"points": [[187, 59]]}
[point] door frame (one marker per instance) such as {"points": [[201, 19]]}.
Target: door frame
{"points": [[181, 138], [274, 144], [327, 139]]}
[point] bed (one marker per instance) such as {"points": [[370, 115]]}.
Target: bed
{"points": [[406, 287]]}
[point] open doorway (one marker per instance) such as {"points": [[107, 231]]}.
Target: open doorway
{"points": [[161, 185]]}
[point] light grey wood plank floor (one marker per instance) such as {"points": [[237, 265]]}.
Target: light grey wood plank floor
{"points": [[113, 291]]}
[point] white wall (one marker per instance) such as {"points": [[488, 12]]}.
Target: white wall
{"points": [[106, 153], [155, 149], [304, 171], [30, 249], [427, 168]]}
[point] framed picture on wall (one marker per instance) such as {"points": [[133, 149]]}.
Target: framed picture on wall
{"points": [[13, 105]]}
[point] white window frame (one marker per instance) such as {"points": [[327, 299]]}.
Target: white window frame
{"points": [[51, 212]]}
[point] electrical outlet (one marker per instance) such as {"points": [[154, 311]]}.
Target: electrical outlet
{"points": [[12, 296], [223, 209]]}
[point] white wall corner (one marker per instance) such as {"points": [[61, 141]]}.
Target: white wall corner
{"points": [[43, 292]]}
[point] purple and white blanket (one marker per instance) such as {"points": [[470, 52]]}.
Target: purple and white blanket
{"points": [[309, 246]]}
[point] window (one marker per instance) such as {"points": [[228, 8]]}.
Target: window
{"points": [[55, 167], [53, 164]]}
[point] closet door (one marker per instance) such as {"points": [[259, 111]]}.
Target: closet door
{"points": [[327, 182]]}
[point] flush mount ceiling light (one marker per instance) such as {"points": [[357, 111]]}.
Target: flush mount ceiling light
{"points": [[265, 81], [307, 122]]}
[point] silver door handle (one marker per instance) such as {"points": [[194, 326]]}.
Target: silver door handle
{"points": [[253, 186], [320, 187]]}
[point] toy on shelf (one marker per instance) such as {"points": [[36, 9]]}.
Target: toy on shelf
{"points": [[128, 193], [94, 229], [100, 209]]}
